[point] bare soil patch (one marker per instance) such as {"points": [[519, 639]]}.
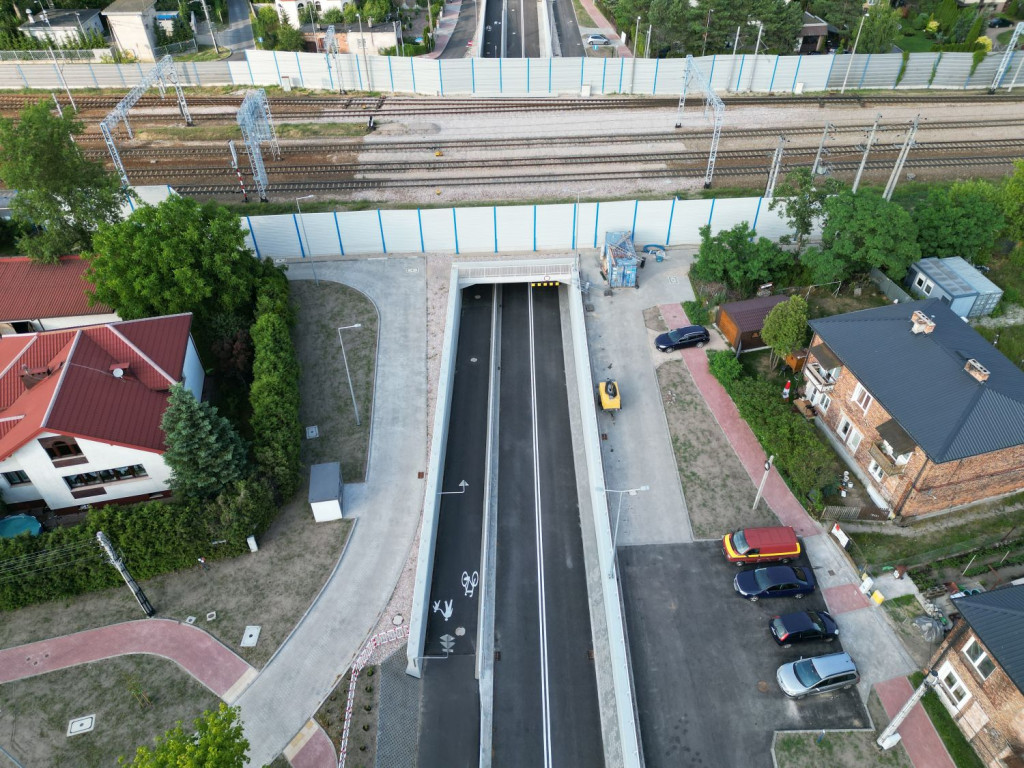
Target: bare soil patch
{"points": [[654, 321], [326, 399], [718, 490], [34, 713], [362, 740], [836, 749], [903, 610]]}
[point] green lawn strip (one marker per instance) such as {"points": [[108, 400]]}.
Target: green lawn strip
{"points": [[837, 749], [893, 549], [916, 43], [582, 16], [205, 54], [957, 745], [225, 132], [1011, 341]]}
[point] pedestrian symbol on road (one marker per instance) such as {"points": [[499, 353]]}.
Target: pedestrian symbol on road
{"points": [[447, 643], [469, 582], [446, 611]]}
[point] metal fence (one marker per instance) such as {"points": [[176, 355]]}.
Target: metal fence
{"points": [[185, 46], [542, 77], [888, 287], [90, 54]]}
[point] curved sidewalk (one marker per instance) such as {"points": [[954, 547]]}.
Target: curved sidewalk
{"points": [[198, 653]]}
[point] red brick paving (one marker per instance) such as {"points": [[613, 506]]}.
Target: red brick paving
{"points": [[317, 752], [845, 598], [203, 657], [924, 747]]}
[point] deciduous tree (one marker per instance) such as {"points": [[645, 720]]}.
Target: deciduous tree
{"points": [[62, 196], [801, 201], [865, 230], [961, 220], [204, 451], [736, 258], [1013, 202], [218, 742], [882, 26], [785, 327]]}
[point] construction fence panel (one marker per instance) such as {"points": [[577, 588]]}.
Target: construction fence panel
{"points": [[538, 76], [880, 71], [565, 76], [918, 73], [514, 77], [586, 225], [786, 73], [515, 227], [475, 228], [729, 212], [402, 232], [688, 216], [652, 218], [486, 76], [985, 72], [439, 233], [274, 237], [458, 76], [263, 68], [553, 227]]}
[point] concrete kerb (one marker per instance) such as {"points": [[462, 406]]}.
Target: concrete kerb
{"points": [[489, 548], [431, 498]]}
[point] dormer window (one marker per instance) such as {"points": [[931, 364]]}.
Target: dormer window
{"points": [[63, 451]]}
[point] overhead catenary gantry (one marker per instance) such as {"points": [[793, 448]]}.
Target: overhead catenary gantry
{"points": [[333, 54], [163, 71], [258, 126], [694, 77], [1004, 63]]}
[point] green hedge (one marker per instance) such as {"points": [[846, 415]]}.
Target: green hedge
{"points": [[803, 459], [274, 394], [153, 537]]}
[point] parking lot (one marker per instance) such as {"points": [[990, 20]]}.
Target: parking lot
{"points": [[704, 661]]}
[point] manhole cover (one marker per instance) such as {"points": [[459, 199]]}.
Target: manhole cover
{"points": [[397, 621], [81, 725], [762, 686], [251, 636], [312, 432]]}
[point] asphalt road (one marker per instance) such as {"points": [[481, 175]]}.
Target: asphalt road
{"points": [[492, 30], [450, 706], [545, 692], [567, 28], [691, 634]]}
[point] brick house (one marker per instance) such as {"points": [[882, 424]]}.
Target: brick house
{"points": [[980, 666], [80, 411], [926, 412]]}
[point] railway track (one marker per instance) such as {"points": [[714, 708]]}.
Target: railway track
{"points": [[358, 185], [696, 159]]}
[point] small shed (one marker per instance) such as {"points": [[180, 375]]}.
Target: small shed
{"points": [[618, 260], [741, 321], [957, 283], [325, 490]]}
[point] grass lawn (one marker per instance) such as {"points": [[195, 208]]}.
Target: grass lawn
{"points": [[205, 54], [916, 43], [225, 132], [959, 749], [34, 713], [581, 15], [1011, 341], [1004, 37], [836, 749]]}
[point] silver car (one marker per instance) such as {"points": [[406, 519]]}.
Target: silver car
{"points": [[597, 40], [806, 677]]}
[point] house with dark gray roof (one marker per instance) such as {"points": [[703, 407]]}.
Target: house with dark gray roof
{"points": [[980, 668], [927, 413]]}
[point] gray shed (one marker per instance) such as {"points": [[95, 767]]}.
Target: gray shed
{"points": [[955, 282], [325, 489]]}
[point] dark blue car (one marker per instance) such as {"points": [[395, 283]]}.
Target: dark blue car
{"points": [[774, 581]]}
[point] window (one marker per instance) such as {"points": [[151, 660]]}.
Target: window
{"points": [[854, 440], [862, 398], [104, 476], [920, 281], [61, 448], [979, 658], [848, 434], [824, 401], [952, 686], [876, 470], [17, 477]]}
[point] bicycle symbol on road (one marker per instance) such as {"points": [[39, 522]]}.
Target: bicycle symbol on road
{"points": [[469, 583]]}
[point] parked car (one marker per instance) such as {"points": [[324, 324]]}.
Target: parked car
{"points": [[597, 40], [999, 22], [819, 674], [774, 581], [761, 545], [803, 626], [690, 336]]}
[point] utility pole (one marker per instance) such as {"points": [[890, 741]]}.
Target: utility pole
{"points": [[730, 86], [854, 53], [116, 561], [636, 37], [767, 470], [209, 23], [901, 159], [60, 74], [647, 52], [707, 26], [238, 171], [889, 738], [757, 47], [867, 149], [817, 168], [773, 173]]}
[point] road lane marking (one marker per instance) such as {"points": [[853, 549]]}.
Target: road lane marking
{"points": [[544, 683]]}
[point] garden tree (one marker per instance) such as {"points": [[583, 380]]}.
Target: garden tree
{"points": [[377, 11], [882, 26], [844, 15], [961, 220], [333, 16], [735, 258], [288, 37], [218, 742], [865, 230], [204, 451], [824, 267], [1013, 202], [801, 201], [178, 256], [785, 328], [264, 26], [62, 196]]}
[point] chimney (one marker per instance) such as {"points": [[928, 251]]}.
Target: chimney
{"points": [[922, 323], [32, 376], [977, 370]]}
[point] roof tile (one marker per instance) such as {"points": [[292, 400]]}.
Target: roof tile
{"points": [[32, 291]]}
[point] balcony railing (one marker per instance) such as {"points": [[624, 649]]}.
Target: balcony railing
{"points": [[823, 382], [884, 460]]}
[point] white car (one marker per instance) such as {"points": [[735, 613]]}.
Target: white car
{"points": [[597, 40]]}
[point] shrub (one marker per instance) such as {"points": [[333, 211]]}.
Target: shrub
{"points": [[697, 311], [725, 367]]}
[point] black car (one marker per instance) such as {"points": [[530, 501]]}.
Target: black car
{"points": [[803, 626], [999, 22], [774, 581], [690, 336]]}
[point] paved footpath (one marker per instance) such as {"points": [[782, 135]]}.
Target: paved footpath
{"points": [[838, 580], [198, 653]]}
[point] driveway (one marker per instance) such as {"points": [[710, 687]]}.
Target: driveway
{"points": [[704, 662]]}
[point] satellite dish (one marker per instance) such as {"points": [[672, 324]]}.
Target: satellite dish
{"points": [[118, 373]]}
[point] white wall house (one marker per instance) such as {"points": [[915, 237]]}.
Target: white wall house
{"points": [[131, 25], [62, 26], [44, 297], [291, 9], [80, 411]]}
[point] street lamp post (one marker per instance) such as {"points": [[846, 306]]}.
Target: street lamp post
{"points": [[760, 489], [618, 516], [853, 53], [302, 224], [636, 37], [576, 234], [348, 376], [757, 46], [78, 17]]}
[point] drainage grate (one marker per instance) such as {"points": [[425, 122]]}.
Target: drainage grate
{"points": [[497, 655]]}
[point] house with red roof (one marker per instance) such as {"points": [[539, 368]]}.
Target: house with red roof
{"points": [[80, 411], [42, 297]]}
